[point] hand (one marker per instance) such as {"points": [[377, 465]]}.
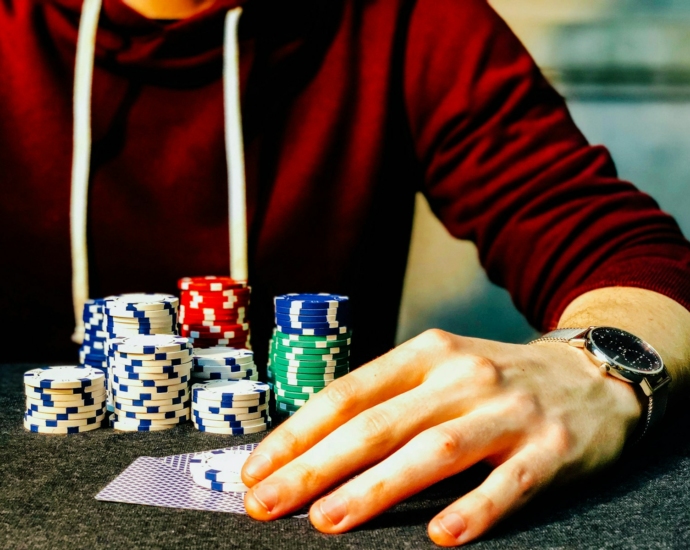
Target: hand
{"points": [[431, 408]]}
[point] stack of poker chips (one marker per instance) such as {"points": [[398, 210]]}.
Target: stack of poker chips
{"points": [[232, 407], [150, 382], [220, 470], [133, 314], [213, 311], [64, 400], [223, 363], [93, 349], [310, 347]]}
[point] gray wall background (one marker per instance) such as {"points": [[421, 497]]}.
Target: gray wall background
{"points": [[624, 67]]}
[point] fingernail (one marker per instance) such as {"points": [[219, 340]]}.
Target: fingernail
{"points": [[258, 466], [266, 495], [334, 508], [453, 524]]}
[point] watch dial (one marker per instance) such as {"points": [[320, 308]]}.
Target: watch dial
{"points": [[627, 350]]}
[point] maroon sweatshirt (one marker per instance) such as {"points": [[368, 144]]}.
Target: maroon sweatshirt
{"points": [[349, 107]]}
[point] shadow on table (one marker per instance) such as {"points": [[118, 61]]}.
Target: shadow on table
{"points": [[632, 479]]}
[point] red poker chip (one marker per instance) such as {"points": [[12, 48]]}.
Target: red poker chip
{"points": [[227, 294], [211, 319], [210, 282], [217, 328], [214, 305], [215, 323]]}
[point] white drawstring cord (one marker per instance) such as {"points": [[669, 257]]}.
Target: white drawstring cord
{"points": [[81, 156], [234, 147], [81, 159]]}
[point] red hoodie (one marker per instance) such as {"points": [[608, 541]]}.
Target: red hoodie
{"points": [[349, 107]]}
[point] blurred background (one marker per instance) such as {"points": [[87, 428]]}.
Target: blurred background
{"points": [[624, 68]]}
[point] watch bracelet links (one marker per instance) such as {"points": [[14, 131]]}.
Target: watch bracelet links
{"points": [[565, 335]]}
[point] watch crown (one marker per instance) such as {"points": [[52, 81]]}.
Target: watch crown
{"points": [[605, 367]]}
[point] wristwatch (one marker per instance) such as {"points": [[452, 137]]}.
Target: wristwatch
{"points": [[628, 358]]}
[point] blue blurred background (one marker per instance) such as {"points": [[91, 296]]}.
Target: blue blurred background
{"points": [[624, 68]]}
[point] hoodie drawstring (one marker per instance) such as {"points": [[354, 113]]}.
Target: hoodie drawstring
{"points": [[81, 156]]}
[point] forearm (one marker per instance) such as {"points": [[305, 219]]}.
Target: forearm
{"points": [[659, 320]]}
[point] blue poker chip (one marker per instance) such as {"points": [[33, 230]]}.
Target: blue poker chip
{"points": [[229, 403], [146, 362], [231, 417], [144, 422], [310, 301], [159, 370], [231, 390], [286, 321], [232, 423], [230, 367], [147, 409], [147, 402], [144, 383], [58, 404], [312, 331], [311, 315], [137, 376]]}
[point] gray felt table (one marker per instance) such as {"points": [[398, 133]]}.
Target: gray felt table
{"points": [[48, 484]]}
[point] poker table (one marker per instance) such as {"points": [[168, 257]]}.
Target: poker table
{"points": [[48, 484]]}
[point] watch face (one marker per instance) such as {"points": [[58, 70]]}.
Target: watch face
{"points": [[626, 350]]}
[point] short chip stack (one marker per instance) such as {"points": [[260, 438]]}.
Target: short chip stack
{"points": [[213, 311], [232, 407], [223, 363], [310, 347], [64, 400], [133, 314], [150, 382], [220, 470], [93, 349]]}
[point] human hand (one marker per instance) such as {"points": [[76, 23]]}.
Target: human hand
{"points": [[431, 408]]}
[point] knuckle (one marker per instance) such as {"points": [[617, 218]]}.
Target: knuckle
{"points": [[374, 428], [307, 474], [484, 371], [522, 478], [437, 339], [445, 444], [559, 438], [522, 405], [343, 393]]}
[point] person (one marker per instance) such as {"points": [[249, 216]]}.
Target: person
{"points": [[348, 109]]}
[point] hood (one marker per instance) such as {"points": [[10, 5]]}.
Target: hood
{"points": [[189, 51]]}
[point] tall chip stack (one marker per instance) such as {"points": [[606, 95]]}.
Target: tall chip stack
{"points": [[134, 314], [64, 400], [231, 407], [92, 352], [150, 381], [310, 346], [223, 363], [214, 311]]}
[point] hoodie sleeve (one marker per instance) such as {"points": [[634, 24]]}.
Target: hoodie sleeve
{"points": [[506, 167]]}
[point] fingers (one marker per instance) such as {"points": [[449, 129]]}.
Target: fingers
{"points": [[507, 488], [435, 454], [397, 372]]}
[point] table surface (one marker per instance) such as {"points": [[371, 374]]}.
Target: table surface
{"points": [[48, 485]]}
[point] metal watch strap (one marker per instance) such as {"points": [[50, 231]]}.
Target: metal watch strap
{"points": [[561, 335], [654, 388]]}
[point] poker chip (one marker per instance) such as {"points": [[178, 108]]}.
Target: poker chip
{"points": [[64, 400], [92, 352], [224, 487], [310, 347], [150, 382], [64, 377], [29, 425], [143, 302], [311, 301], [231, 406], [222, 465], [214, 311], [233, 431]]}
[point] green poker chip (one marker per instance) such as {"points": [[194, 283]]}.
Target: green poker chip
{"points": [[297, 371], [301, 357], [310, 351], [293, 395], [309, 341], [286, 407], [306, 382], [298, 389], [302, 375], [290, 401], [277, 361]]}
